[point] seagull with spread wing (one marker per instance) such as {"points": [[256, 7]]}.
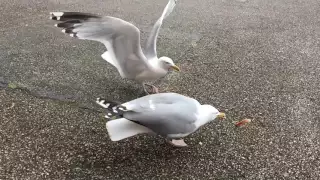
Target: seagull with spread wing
{"points": [[170, 115], [122, 40]]}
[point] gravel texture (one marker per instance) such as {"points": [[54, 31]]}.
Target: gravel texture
{"points": [[249, 58]]}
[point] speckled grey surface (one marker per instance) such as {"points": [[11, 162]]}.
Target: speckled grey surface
{"points": [[250, 58]]}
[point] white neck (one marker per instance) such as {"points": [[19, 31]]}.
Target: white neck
{"points": [[157, 65]]}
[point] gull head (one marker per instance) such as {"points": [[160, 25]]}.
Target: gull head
{"points": [[214, 113], [208, 113], [168, 64]]}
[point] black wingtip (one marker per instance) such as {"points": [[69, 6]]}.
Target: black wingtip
{"points": [[107, 103], [115, 109], [70, 32], [68, 24], [64, 16]]}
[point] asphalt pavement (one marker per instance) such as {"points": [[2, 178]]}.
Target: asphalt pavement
{"points": [[249, 58]]}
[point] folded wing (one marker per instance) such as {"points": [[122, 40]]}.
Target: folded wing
{"points": [[165, 114]]}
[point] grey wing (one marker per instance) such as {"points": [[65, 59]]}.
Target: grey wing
{"points": [[121, 38], [166, 118], [148, 102], [151, 45]]}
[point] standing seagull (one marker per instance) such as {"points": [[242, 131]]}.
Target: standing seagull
{"points": [[122, 40], [170, 115]]}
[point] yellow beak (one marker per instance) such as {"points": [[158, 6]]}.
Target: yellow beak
{"points": [[176, 68], [222, 116]]}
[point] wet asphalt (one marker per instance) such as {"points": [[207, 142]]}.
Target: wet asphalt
{"points": [[251, 59]]}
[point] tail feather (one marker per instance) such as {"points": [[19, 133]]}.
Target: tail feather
{"points": [[122, 128], [116, 110]]}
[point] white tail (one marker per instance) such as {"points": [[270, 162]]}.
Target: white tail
{"points": [[122, 128]]}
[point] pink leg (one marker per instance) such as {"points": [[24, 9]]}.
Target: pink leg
{"points": [[177, 143], [154, 89]]}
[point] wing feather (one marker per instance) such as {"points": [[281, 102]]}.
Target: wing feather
{"points": [[162, 113], [121, 38], [151, 45]]}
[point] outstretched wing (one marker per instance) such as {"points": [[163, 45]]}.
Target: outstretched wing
{"points": [[151, 46], [121, 38]]}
